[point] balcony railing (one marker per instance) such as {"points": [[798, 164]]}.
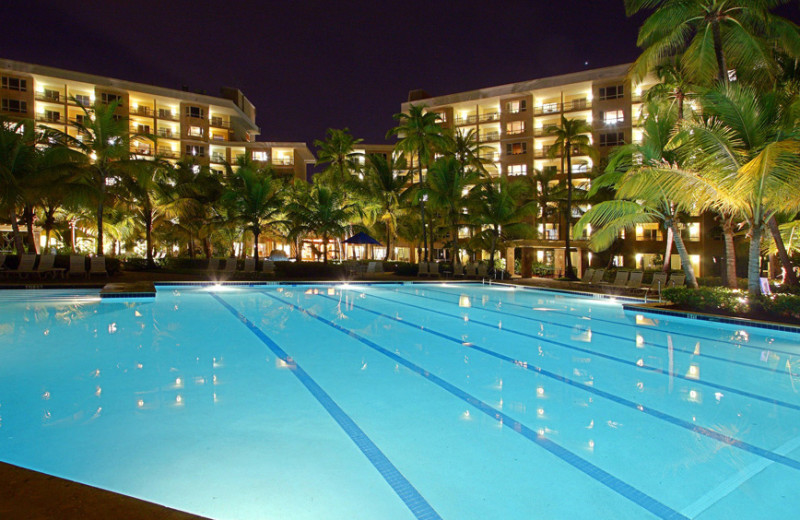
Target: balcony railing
{"points": [[217, 158], [50, 118], [547, 108], [490, 116], [489, 136], [490, 156], [168, 115], [577, 104], [52, 97], [466, 120], [168, 153], [141, 111], [167, 133], [219, 123], [283, 161]]}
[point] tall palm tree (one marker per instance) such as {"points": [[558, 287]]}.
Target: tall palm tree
{"points": [[254, 196], [447, 188], [571, 139], [325, 213], [146, 191], [500, 210], [468, 151], [337, 151], [420, 135], [673, 88], [385, 182], [714, 36]]}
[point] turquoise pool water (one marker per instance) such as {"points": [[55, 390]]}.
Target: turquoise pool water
{"points": [[401, 401]]}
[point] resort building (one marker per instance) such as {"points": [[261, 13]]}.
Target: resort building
{"points": [[511, 122], [211, 130]]}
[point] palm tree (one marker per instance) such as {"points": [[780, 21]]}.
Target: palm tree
{"points": [[673, 88], [447, 187], [420, 134], [571, 139], [714, 35], [337, 151], [640, 198], [254, 196], [468, 151], [104, 139], [501, 210], [385, 183], [325, 213], [293, 225]]}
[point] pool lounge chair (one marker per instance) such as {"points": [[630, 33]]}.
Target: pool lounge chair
{"points": [[659, 282], [249, 265], [587, 275], [97, 265], [471, 270], [433, 269], [213, 265], [677, 280], [375, 267], [25, 266], [621, 279], [423, 269], [268, 267], [635, 280], [47, 267], [458, 270], [483, 270], [77, 265], [230, 266]]}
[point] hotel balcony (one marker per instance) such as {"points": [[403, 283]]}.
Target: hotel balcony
{"points": [[218, 122], [141, 111], [567, 106], [51, 118], [50, 96], [467, 120], [168, 115], [283, 161], [218, 158], [169, 153], [489, 116], [168, 133], [490, 156], [489, 136]]}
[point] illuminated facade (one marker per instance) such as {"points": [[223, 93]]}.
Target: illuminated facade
{"points": [[211, 130], [511, 122]]}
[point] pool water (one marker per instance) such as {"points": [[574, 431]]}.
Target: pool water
{"points": [[400, 401]]}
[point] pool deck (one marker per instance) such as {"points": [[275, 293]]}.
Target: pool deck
{"points": [[30, 495]]}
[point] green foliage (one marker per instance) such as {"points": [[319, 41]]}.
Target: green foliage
{"points": [[713, 299]]}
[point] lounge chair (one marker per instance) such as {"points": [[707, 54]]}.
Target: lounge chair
{"points": [[47, 266], [423, 269], [659, 282], [213, 265], [587, 275], [621, 279], [97, 265], [677, 280], [471, 270], [635, 280], [230, 266], [433, 269], [25, 266], [458, 270], [268, 267], [249, 265], [77, 265], [597, 277], [375, 267], [483, 270]]}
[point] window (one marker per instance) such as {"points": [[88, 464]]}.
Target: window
{"points": [[197, 151], [107, 99], [14, 105], [83, 99], [52, 95], [516, 148], [517, 169], [548, 108], [442, 117], [80, 118], [615, 92], [195, 131], [260, 156], [52, 116], [515, 107], [196, 112], [165, 113], [612, 117], [216, 121], [515, 127], [15, 84], [143, 129], [612, 139]]}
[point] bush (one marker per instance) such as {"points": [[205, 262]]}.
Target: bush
{"points": [[708, 298], [316, 270], [787, 305]]}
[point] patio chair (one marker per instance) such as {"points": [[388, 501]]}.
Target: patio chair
{"points": [[97, 265], [471, 270], [677, 280], [230, 266], [458, 270], [587, 275], [433, 269], [621, 279], [659, 282], [77, 265], [47, 266], [597, 277], [268, 267], [213, 265], [25, 266], [373, 267], [249, 265], [423, 269], [483, 270], [635, 280]]}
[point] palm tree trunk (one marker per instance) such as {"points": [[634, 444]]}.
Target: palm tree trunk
{"points": [[100, 226], [731, 280], [422, 208], [686, 262], [325, 249], [668, 252], [455, 246], [148, 238], [255, 244], [191, 245], [722, 67], [388, 243], [12, 215], [568, 272], [28, 215], [754, 261], [790, 278]]}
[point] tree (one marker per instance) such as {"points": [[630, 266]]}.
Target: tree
{"points": [[337, 151], [500, 210], [385, 183], [254, 196], [446, 189], [324, 213], [420, 134], [571, 139]]}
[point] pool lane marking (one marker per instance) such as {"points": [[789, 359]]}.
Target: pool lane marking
{"points": [[676, 421], [595, 472], [778, 369], [648, 368], [401, 486], [729, 485]]}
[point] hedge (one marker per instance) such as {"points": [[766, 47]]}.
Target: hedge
{"points": [[712, 299]]}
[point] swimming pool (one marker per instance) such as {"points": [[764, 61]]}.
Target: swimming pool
{"points": [[400, 401]]}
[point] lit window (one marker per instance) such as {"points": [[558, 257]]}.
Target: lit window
{"points": [[515, 107], [515, 127], [612, 117], [195, 131], [548, 108], [260, 156], [517, 169], [198, 151], [83, 100], [516, 148]]}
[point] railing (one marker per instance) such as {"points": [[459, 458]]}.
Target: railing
{"points": [[168, 133], [577, 104], [542, 132], [142, 151], [489, 136], [141, 111], [283, 161], [219, 123], [466, 120], [493, 156], [547, 108], [52, 97], [217, 158], [43, 118], [219, 137], [490, 116], [168, 153], [167, 114]]}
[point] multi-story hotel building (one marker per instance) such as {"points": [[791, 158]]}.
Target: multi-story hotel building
{"points": [[511, 122], [211, 130]]}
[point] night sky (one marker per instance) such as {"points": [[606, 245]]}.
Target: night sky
{"points": [[308, 66]]}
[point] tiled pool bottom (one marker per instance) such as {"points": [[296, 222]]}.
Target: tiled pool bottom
{"points": [[401, 401]]}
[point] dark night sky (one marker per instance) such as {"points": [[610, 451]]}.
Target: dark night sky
{"points": [[311, 65]]}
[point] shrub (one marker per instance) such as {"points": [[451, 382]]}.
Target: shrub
{"points": [[316, 270], [787, 305], [707, 298]]}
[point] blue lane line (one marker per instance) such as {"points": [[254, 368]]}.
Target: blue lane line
{"points": [[607, 479], [606, 334], [407, 492], [674, 333], [731, 441], [648, 368]]}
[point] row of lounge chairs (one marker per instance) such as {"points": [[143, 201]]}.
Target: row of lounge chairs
{"points": [[359, 268], [43, 266], [469, 270], [250, 266], [632, 280]]}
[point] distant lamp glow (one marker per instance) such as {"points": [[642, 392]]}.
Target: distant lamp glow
{"points": [[464, 301]]}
